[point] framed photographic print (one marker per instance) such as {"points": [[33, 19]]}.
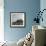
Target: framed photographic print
{"points": [[17, 19]]}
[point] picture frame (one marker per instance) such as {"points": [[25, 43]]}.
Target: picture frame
{"points": [[17, 19]]}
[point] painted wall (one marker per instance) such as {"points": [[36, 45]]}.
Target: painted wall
{"points": [[28, 6]]}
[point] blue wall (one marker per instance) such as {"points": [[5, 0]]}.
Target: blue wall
{"points": [[28, 6]]}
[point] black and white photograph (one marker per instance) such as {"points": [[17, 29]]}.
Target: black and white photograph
{"points": [[17, 19]]}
